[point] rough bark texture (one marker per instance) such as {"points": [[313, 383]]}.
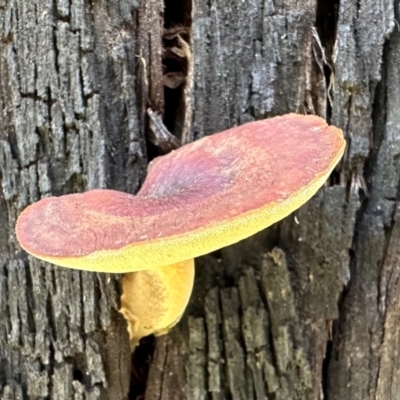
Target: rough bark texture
{"points": [[308, 309], [70, 121]]}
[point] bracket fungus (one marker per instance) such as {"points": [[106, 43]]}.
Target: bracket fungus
{"points": [[204, 196]]}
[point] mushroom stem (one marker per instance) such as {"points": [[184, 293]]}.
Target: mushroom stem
{"points": [[153, 301]]}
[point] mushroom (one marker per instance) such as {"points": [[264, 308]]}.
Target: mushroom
{"points": [[206, 195]]}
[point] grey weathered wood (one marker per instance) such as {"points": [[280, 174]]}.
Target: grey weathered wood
{"points": [[243, 53], [257, 59], [308, 309], [70, 121], [368, 333]]}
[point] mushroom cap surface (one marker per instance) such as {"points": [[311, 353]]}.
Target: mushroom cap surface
{"points": [[204, 196]]}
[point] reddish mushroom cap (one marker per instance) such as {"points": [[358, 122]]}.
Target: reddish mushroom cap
{"points": [[199, 198]]}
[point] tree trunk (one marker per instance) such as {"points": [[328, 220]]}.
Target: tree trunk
{"points": [[308, 309]]}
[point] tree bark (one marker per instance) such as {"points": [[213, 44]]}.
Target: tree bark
{"points": [[71, 120], [308, 309]]}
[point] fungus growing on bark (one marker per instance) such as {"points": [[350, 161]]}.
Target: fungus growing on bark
{"points": [[204, 196]]}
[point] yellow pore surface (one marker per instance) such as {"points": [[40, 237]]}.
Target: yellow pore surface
{"points": [[177, 248]]}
